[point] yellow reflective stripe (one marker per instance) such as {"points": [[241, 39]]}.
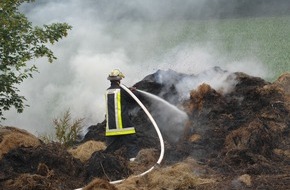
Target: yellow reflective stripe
{"points": [[124, 131], [119, 110], [119, 130], [107, 112]]}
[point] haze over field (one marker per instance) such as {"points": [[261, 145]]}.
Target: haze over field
{"points": [[139, 37]]}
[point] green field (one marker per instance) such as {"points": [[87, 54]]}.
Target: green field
{"points": [[267, 39]]}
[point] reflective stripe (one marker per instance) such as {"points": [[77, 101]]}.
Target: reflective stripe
{"points": [[124, 131], [114, 125], [119, 110], [117, 122], [107, 112]]}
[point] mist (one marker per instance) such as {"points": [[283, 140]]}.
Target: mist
{"points": [[138, 37]]}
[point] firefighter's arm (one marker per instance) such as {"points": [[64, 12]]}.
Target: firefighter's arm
{"points": [[133, 88]]}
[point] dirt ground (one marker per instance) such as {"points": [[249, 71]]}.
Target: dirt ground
{"points": [[233, 138]]}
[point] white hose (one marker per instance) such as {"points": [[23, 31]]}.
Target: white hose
{"points": [[156, 128], [158, 133], [153, 122]]}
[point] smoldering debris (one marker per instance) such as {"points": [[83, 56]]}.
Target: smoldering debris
{"points": [[233, 140]]}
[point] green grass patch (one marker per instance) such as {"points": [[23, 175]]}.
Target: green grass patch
{"points": [[266, 39]]}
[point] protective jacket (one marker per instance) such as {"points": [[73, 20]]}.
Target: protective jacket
{"points": [[117, 117]]}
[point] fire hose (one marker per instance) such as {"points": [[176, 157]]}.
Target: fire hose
{"points": [[157, 131]]}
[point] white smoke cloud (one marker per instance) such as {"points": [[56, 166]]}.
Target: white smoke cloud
{"points": [[131, 36]]}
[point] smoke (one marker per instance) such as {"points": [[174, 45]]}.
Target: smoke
{"points": [[170, 119], [138, 37]]}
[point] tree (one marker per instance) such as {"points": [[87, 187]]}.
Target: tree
{"points": [[19, 43]]}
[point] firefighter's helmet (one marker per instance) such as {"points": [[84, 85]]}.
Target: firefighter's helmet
{"points": [[115, 74]]}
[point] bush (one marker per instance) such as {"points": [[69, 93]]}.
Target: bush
{"points": [[66, 130]]}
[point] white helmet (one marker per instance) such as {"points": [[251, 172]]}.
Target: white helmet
{"points": [[116, 74]]}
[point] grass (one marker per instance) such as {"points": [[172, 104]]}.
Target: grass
{"points": [[266, 39]]}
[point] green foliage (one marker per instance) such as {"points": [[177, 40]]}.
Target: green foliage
{"points": [[66, 130], [19, 43]]}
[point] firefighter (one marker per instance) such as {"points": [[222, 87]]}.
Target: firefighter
{"points": [[120, 131]]}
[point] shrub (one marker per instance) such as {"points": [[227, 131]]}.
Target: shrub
{"points": [[66, 130]]}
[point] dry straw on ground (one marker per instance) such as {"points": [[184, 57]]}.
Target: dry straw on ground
{"points": [[180, 176], [85, 150]]}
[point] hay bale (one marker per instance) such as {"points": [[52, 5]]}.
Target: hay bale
{"points": [[12, 138], [84, 151], [256, 137]]}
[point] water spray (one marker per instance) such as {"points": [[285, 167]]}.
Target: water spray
{"points": [[157, 98], [158, 133], [169, 117]]}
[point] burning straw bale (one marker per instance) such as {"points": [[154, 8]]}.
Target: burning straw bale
{"points": [[239, 131], [258, 137], [49, 163], [266, 129], [199, 98], [11, 138], [239, 139]]}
